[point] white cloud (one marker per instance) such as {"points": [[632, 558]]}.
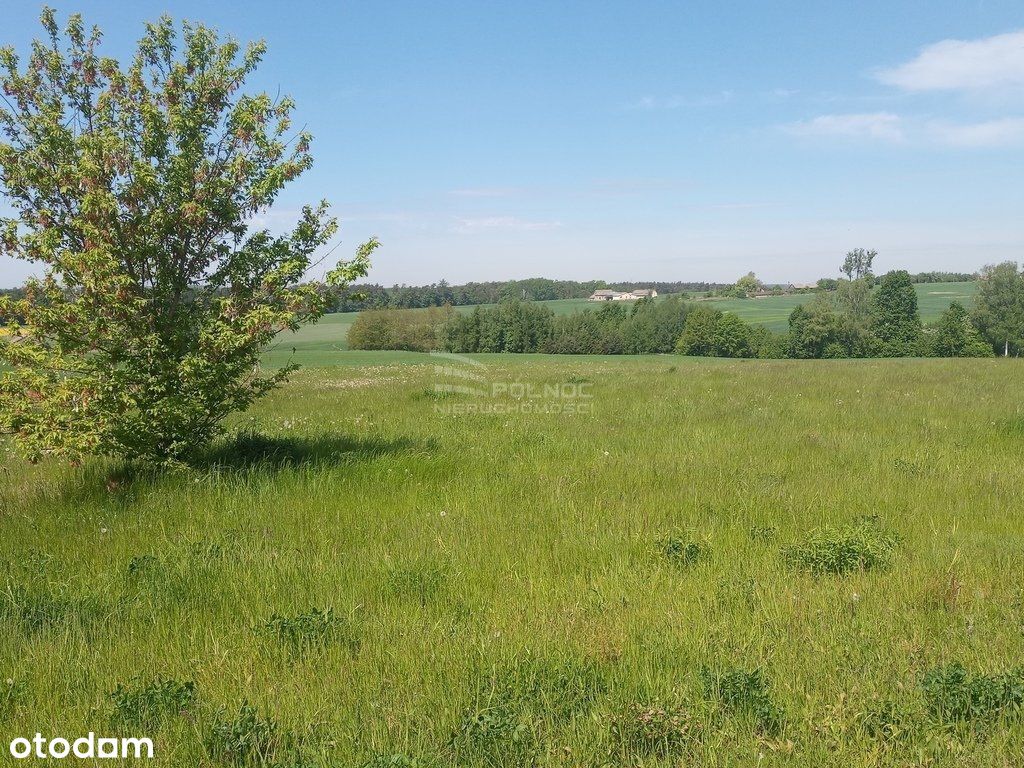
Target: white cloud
{"points": [[881, 126], [496, 223], [987, 64], [1008, 131], [677, 102]]}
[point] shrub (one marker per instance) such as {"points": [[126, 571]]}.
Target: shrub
{"points": [[744, 692], [653, 729], [860, 546], [315, 629], [955, 695], [147, 706]]}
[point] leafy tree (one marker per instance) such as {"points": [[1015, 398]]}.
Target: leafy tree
{"points": [[999, 307], [732, 337], [747, 285], [956, 336], [134, 188], [895, 321], [857, 263], [854, 298], [816, 329], [699, 337]]}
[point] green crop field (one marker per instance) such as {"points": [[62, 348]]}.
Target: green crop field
{"points": [[773, 311], [655, 561]]}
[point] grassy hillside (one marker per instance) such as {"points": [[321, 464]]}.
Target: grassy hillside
{"points": [[718, 563], [773, 311], [325, 343]]}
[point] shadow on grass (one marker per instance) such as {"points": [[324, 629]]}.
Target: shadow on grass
{"points": [[252, 450], [106, 481]]}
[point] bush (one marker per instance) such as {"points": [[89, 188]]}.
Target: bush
{"points": [[860, 546]]}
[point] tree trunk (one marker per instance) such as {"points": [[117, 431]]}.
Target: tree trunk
{"points": [[1006, 348]]}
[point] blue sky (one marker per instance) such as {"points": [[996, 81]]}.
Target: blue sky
{"points": [[639, 140]]}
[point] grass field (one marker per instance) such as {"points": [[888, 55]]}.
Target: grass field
{"points": [[773, 311], [711, 562], [326, 342]]}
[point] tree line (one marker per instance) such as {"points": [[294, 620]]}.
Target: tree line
{"points": [[864, 317], [374, 296]]}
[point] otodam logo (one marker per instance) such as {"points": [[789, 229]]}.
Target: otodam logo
{"points": [[88, 747]]}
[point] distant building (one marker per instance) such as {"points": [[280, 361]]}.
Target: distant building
{"points": [[608, 295]]}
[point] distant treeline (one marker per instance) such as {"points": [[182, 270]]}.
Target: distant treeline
{"points": [[373, 296], [856, 321], [830, 284]]}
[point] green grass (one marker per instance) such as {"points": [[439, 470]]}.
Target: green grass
{"points": [[773, 311], [375, 582]]}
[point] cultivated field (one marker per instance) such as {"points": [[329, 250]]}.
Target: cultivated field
{"points": [[773, 311], [721, 563]]}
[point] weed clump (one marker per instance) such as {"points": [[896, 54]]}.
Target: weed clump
{"points": [[746, 693], [421, 581], [889, 720], [953, 694], [861, 546], [513, 703], [12, 694], [246, 738], [498, 733], [396, 761], [313, 630], [39, 607], [765, 533], [682, 552], [148, 706], [654, 730]]}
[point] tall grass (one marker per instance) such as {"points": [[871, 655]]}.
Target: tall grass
{"points": [[371, 582]]}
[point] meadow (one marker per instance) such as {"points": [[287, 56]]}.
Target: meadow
{"points": [[713, 562]]}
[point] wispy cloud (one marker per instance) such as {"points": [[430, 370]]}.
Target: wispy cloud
{"points": [[879, 126], [485, 192], [986, 64], [679, 102], [1005, 132], [499, 223]]}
